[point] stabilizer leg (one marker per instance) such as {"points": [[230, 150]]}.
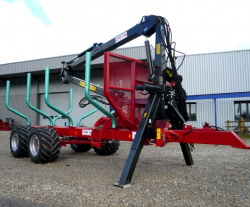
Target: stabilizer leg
{"points": [[140, 137], [187, 154]]}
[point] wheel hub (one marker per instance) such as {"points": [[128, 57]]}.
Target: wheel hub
{"points": [[34, 145], [14, 141]]}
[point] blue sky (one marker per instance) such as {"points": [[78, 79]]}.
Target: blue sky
{"points": [[33, 29]]}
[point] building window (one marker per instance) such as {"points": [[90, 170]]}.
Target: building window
{"points": [[242, 109], [191, 110]]}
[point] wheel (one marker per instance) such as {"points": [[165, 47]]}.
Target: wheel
{"points": [[44, 145], [19, 141], [81, 147], [110, 147]]}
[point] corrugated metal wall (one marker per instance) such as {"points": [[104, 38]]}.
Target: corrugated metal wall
{"points": [[55, 62], [33, 65], [211, 73], [225, 72]]}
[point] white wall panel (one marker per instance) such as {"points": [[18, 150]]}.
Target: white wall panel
{"points": [[211, 73]]}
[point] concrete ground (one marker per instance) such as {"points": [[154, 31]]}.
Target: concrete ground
{"points": [[220, 177]]}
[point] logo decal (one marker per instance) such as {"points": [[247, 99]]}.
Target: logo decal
{"points": [[121, 37], [86, 132]]}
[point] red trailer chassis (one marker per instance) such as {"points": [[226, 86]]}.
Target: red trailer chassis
{"points": [[205, 135]]}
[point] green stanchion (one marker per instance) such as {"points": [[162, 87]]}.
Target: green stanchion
{"points": [[8, 106], [46, 97], [87, 85], [29, 104]]}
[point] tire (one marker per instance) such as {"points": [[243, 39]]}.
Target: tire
{"points": [[19, 141], [80, 147], [44, 145], [110, 147]]}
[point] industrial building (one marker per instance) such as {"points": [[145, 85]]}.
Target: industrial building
{"points": [[217, 85]]}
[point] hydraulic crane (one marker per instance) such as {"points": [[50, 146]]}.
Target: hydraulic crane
{"points": [[164, 103]]}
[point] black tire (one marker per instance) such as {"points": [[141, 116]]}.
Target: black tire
{"points": [[44, 145], [19, 141], [80, 147], [110, 147]]}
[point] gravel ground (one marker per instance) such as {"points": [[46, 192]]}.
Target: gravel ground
{"points": [[220, 177]]}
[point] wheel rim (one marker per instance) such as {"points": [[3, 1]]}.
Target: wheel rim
{"points": [[34, 145], [14, 141]]}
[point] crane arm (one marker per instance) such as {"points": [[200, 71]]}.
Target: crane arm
{"points": [[146, 27]]}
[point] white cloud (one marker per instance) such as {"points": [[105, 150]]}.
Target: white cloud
{"points": [[197, 26]]}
